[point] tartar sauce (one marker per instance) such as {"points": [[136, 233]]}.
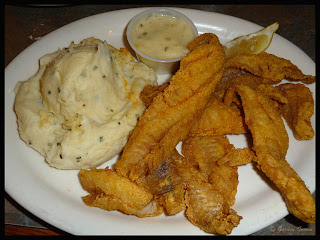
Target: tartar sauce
{"points": [[162, 36]]}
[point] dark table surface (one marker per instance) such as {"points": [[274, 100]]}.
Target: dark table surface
{"points": [[25, 24]]}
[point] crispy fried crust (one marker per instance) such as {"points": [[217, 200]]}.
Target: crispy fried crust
{"points": [[219, 119], [270, 143], [204, 151], [178, 105], [272, 93], [298, 110], [217, 160], [110, 191], [205, 205], [167, 185], [149, 92], [268, 66], [236, 76]]}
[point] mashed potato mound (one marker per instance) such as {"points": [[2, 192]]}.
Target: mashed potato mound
{"points": [[78, 109]]}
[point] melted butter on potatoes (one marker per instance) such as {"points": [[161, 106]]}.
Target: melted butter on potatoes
{"points": [[79, 108]]}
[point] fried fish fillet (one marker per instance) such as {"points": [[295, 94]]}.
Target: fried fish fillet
{"points": [[219, 119], [178, 105], [270, 143], [274, 94], [204, 151], [110, 191], [178, 185], [205, 206], [268, 66], [237, 157], [236, 76], [217, 160], [167, 185], [207, 209], [299, 109], [173, 201]]}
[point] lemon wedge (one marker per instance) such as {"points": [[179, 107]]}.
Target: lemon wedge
{"points": [[252, 43]]}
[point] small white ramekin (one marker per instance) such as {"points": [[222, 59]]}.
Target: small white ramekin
{"points": [[160, 66]]}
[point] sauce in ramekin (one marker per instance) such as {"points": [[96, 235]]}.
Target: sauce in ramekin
{"points": [[162, 36]]}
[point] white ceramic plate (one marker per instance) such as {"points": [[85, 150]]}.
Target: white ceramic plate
{"points": [[55, 195]]}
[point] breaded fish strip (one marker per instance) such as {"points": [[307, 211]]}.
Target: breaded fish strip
{"points": [[269, 66], [177, 185], [236, 76], [270, 143], [178, 105], [219, 119], [202, 152], [167, 186], [110, 191], [299, 109], [206, 206], [207, 209], [217, 159], [269, 91]]}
